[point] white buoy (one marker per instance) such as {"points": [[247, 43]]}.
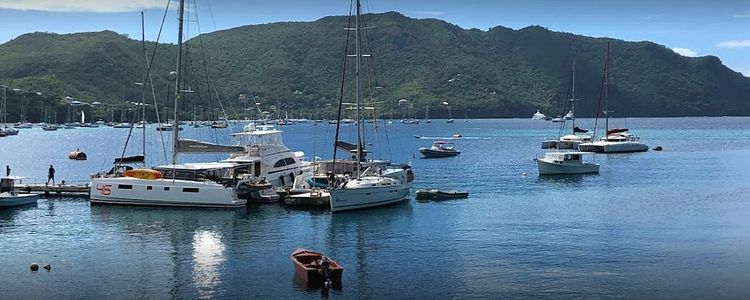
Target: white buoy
{"points": [[524, 174]]}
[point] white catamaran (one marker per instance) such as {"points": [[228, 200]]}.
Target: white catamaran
{"points": [[616, 140], [376, 185], [192, 185]]}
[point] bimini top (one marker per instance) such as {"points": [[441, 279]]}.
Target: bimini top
{"points": [[198, 166]]}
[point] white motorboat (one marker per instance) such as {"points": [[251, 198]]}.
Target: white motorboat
{"points": [[538, 115], [569, 115], [376, 185], [191, 185], [440, 149], [564, 163], [266, 155], [9, 197]]}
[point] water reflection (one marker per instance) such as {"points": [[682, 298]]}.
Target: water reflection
{"points": [[208, 255]]}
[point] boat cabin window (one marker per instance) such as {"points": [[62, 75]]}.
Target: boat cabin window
{"points": [[190, 190], [124, 187], [6, 185], [289, 161], [166, 189], [279, 163], [572, 157], [149, 188]]}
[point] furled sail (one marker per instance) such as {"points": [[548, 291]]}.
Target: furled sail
{"points": [[193, 146]]}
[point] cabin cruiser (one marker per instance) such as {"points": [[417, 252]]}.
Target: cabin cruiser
{"points": [[538, 115], [440, 149], [266, 155], [618, 140], [564, 163]]}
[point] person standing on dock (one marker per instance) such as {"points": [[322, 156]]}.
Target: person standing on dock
{"points": [[51, 175], [7, 170]]}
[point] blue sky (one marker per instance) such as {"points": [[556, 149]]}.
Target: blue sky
{"points": [[691, 27]]}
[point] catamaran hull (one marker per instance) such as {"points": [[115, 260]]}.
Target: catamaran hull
{"points": [[613, 147], [350, 199], [162, 192], [552, 168]]}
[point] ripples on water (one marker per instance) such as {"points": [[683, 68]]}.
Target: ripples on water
{"points": [[669, 224]]}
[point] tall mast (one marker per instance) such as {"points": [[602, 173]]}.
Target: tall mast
{"points": [[573, 97], [356, 79], [606, 93], [143, 88], [177, 86]]}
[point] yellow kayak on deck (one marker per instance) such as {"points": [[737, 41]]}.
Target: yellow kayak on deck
{"points": [[143, 174]]}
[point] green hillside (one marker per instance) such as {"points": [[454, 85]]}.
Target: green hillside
{"points": [[296, 66]]}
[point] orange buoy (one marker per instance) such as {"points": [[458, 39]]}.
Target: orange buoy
{"points": [[77, 155], [143, 174]]}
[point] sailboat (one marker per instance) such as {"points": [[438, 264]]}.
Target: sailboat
{"points": [[5, 131], [376, 185], [617, 140], [570, 141], [188, 185]]}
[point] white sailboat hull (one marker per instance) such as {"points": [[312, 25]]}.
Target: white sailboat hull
{"points": [[350, 199], [371, 191], [162, 192]]}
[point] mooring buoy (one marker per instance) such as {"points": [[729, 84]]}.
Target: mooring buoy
{"points": [[34, 267], [47, 267]]}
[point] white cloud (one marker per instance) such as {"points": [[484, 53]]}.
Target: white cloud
{"points": [[734, 44], [431, 13], [745, 14], [685, 52], [99, 6]]}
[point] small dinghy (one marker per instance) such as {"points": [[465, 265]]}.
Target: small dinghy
{"points": [[315, 268], [257, 191], [440, 195], [77, 155]]}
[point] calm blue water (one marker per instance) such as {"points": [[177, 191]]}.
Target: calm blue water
{"points": [[670, 224]]}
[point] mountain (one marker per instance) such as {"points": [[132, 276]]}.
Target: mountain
{"points": [[297, 66]]}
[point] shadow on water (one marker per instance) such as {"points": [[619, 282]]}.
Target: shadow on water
{"points": [[572, 179], [308, 287], [9, 214]]}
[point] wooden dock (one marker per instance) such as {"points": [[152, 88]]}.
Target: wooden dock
{"points": [[60, 189]]}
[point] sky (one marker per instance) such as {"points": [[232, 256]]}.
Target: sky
{"points": [[689, 27]]}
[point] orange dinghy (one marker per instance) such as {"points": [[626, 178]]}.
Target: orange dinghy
{"points": [[143, 174]]}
